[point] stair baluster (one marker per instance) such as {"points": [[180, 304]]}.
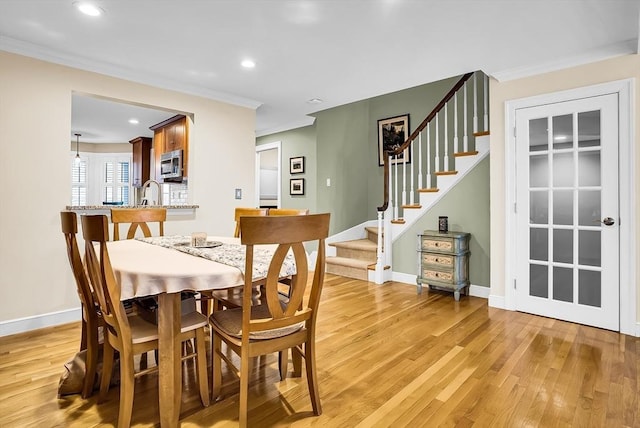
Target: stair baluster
{"points": [[465, 122], [475, 104], [429, 167], [419, 162], [437, 144], [446, 140], [485, 103], [456, 143]]}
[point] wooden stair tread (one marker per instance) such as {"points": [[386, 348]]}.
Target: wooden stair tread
{"points": [[446, 172], [429, 190], [357, 244], [344, 261], [481, 133], [414, 206], [461, 154]]}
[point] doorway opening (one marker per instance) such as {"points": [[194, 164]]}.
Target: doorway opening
{"points": [[268, 177]]}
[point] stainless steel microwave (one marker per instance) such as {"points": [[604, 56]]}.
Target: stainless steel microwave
{"points": [[171, 166]]}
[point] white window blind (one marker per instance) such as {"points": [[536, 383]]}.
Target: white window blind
{"points": [[99, 178], [78, 182], [116, 181]]}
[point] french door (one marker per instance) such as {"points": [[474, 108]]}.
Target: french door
{"points": [[567, 211]]}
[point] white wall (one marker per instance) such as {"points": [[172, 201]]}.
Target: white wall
{"points": [[604, 71], [35, 120]]}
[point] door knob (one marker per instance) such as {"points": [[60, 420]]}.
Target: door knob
{"points": [[608, 221]]}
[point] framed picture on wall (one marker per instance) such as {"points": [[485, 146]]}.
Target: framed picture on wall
{"points": [[296, 186], [392, 132], [296, 165]]}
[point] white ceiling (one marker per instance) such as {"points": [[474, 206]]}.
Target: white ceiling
{"points": [[339, 51]]}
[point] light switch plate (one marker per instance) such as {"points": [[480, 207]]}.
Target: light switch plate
{"points": [[238, 193]]}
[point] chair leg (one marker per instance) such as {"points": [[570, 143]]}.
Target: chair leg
{"points": [[283, 362], [84, 331], [201, 366], [216, 362], [107, 368], [312, 380], [244, 389], [296, 357], [92, 360], [126, 390]]}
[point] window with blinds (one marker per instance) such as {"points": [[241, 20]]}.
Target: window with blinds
{"points": [[116, 182], [78, 182]]}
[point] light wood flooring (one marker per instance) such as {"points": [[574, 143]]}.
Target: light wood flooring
{"points": [[387, 357]]}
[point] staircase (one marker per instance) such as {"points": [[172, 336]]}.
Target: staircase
{"points": [[355, 257], [361, 252]]}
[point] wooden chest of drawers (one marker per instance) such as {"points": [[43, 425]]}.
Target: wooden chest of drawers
{"points": [[443, 260]]}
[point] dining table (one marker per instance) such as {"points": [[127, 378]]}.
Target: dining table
{"points": [[165, 267]]}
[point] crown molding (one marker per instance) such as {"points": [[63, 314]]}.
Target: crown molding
{"points": [[20, 47], [626, 47], [306, 121]]}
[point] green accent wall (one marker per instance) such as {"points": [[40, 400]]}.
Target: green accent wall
{"points": [[347, 148], [467, 206], [342, 146]]}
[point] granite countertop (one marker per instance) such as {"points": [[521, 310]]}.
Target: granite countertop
{"points": [[108, 207]]}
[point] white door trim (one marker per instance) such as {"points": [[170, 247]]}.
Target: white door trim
{"points": [[628, 288], [276, 145]]}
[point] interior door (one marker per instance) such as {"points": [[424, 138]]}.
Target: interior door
{"points": [[567, 211]]}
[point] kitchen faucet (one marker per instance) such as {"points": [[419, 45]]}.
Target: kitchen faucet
{"points": [[148, 184]]}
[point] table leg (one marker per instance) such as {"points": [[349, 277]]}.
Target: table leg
{"points": [[169, 376]]}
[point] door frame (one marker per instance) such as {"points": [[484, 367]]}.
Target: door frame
{"points": [[626, 156], [260, 148]]}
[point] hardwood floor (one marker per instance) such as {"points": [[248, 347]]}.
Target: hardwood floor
{"points": [[386, 357]]}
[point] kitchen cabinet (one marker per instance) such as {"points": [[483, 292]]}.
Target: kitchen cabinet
{"points": [[443, 261], [169, 135], [141, 160]]}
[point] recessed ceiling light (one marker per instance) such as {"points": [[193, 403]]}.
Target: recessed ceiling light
{"points": [[247, 63], [134, 121], [88, 8], [314, 101]]}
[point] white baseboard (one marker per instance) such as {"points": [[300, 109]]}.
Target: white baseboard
{"points": [[474, 290], [497, 302], [21, 325]]}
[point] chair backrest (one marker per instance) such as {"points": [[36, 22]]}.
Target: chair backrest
{"points": [[287, 211], [95, 230], [69, 222], [243, 212], [288, 233], [138, 217]]}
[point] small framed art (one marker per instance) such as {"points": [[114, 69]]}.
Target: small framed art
{"points": [[296, 186], [296, 165]]}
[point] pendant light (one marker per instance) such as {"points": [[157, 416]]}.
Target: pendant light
{"points": [[77, 159]]}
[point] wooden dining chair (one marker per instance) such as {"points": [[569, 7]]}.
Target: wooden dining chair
{"points": [[242, 212], [287, 211], [91, 316], [138, 218], [273, 325], [226, 298], [131, 335]]}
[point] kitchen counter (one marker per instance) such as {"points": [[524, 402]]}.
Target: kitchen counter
{"points": [[106, 209]]}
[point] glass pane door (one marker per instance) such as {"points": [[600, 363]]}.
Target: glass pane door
{"points": [[567, 208]]}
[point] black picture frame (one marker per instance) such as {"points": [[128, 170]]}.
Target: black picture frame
{"points": [[392, 132], [296, 186], [296, 165]]}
